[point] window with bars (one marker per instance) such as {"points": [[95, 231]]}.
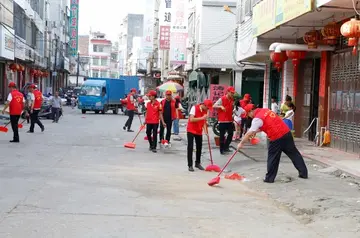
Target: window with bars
{"points": [[95, 74], [104, 62], [96, 61]]}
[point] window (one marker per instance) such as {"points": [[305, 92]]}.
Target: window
{"points": [[98, 48], [95, 74], [104, 62], [96, 61], [103, 74]]}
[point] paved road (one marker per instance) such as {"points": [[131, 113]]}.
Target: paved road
{"points": [[77, 180]]}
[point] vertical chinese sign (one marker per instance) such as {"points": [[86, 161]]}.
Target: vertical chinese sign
{"points": [[178, 32], [74, 22], [165, 24], [149, 27], [216, 92]]}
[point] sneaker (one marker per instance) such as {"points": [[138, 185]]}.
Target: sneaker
{"points": [[228, 151], [43, 129], [14, 141], [124, 128], [130, 130], [154, 150], [191, 169], [29, 132], [199, 167]]}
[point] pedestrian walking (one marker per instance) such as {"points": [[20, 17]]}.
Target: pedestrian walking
{"points": [[56, 107], [169, 110], [224, 107], [16, 103], [152, 118], [36, 103], [130, 109], [178, 111], [281, 140], [197, 120]]}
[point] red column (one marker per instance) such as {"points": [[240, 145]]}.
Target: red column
{"points": [[296, 80], [323, 88]]}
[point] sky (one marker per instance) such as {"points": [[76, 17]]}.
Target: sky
{"points": [[106, 15]]}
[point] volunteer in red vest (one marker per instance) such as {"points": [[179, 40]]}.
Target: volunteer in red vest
{"points": [[36, 100], [244, 119], [169, 108], [281, 140], [152, 118], [225, 106], [197, 120], [15, 103], [130, 109]]}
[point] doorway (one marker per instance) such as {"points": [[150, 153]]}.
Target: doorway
{"points": [[274, 87], [314, 98]]}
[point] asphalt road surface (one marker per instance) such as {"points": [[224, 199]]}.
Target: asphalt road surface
{"points": [[77, 180]]}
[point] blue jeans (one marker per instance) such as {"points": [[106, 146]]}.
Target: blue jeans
{"points": [[176, 126]]}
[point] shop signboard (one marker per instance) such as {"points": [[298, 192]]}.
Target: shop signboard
{"points": [[165, 16], [74, 23], [216, 92], [7, 43], [263, 20], [287, 10], [19, 48]]}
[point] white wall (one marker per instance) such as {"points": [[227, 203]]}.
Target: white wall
{"points": [[217, 39]]}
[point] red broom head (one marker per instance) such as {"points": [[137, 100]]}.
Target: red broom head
{"points": [[130, 145], [234, 176], [214, 181], [20, 126], [3, 129], [255, 141], [162, 142], [145, 138], [213, 168]]}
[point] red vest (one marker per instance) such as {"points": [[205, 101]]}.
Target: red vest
{"points": [[38, 99], [196, 128], [227, 115], [172, 106], [243, 104], [152, 112], [130, 105], [273, 125], [16, 105]]}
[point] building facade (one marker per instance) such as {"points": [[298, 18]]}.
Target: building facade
{"points": [[100, 50], [315, 64], [131, 26]]}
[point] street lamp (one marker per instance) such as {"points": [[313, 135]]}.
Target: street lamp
{"points": [[78, 69]]}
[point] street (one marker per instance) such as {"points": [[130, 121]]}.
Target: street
{"points": [[77, 180]]}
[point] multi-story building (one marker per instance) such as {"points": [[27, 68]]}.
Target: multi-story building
{"points": [[100, 50], [81, 63], [311, 61], [131, 26]]}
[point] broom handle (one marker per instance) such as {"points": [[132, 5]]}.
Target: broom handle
{"points": [[227, 163], [7, 124], [208, 139], [141, 128]]}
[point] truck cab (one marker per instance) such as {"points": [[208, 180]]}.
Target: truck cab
{"points": [[93, 96]]}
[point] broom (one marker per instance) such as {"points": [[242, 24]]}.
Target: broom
{"points": [[212, 167], [4, 128], [132, 145]]}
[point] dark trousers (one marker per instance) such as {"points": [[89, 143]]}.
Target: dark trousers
{"points": [[284, 144], [14, 121], [151, 133], [56, 113], [168, 130], [225, 142], [190, 148], [34, 118], [130, 119]]}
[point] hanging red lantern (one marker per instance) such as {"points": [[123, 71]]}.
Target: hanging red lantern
{"points": [[12, 67], [21, 68], [32, 72], [17, 67], [312, 38], [46, 74], [331, 32], [278, 58], [296, 56], [351, 30]]}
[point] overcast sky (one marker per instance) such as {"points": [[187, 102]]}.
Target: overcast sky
{"points": [[106, 15]]}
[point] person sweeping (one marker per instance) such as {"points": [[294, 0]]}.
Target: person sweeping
{"points": [[152, 117], [281, 140], [197, 120]]}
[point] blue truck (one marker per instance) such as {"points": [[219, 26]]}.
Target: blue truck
{"points": [[104, 94]]}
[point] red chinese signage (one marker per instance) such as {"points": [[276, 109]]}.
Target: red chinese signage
{"points": [[216, 92], [164, 37]]}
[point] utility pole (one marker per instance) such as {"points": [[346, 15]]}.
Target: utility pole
{"points": [[78, 69], [55, 64]]}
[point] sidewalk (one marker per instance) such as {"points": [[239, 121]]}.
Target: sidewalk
{"points": [[343, 161]]}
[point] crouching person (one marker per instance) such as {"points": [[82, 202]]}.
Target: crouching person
{"points": [[197, 120]]}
